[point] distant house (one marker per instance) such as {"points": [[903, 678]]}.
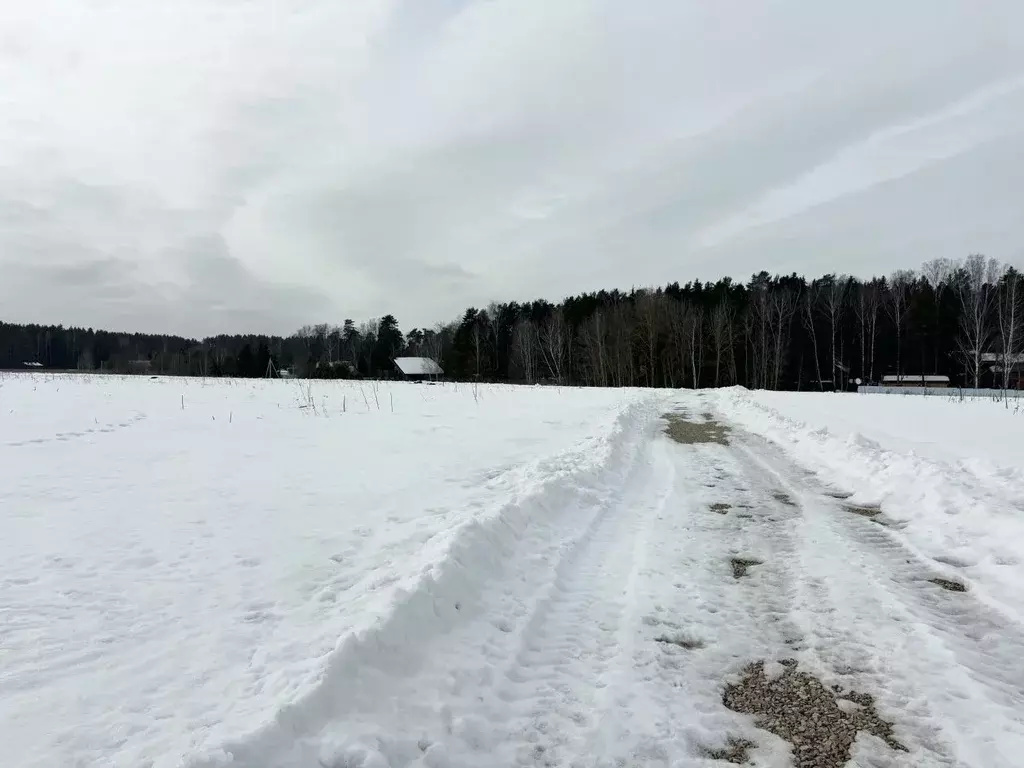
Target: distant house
{"points": [[916, 380], [999, 363], [418, 368]]}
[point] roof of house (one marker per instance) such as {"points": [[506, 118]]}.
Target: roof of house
{"points": [[418, 366], [997, 357], [907, 377]]}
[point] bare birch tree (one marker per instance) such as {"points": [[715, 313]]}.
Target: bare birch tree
{"points": [[593, 350], [526, 348], [620, 337], [650, 320], [697, 345], [722, 321], [834, 299], [432, 342], [554, 344], [899, 285], [809, 311], [869, 300], [976, 287], [1011, 310], [784, 304], [758, 325]]}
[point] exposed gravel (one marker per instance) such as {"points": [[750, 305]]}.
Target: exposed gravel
{"points": [[690, 432], [784, 498], [820, 723], [952, 586], [862, 511], [734, 752], [721, 507], [682, 641], [740, 565]]}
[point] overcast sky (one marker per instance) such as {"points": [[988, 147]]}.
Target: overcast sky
{"points": [[204, 166]]}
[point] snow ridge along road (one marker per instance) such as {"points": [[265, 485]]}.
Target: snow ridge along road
{"points": [[575, 578], [605, 623]]}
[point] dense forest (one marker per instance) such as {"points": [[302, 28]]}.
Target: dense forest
{"points": [[957, 318]]}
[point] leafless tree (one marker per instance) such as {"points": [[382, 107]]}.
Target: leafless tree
{"points": [[697, 345], [899, 286], [757, 323], [554, 343], [977, 278], [479, 332], [937, 274], [810, 302], [593, 350], [620, 334], [834, 299], [681, 318], [432, 342], [651, 316], [1011, 310], [367, 340], [783, 305], [869, 300], [722, 320], [526, 348]]}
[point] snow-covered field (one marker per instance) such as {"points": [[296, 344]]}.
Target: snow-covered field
{"points": [[264, 575]]}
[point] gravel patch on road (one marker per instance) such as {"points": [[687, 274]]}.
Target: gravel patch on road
{"points": [[820, 723], [682, 641], [951, 586], [862, 511], [691, 432], [721, 507], [735, 751]]}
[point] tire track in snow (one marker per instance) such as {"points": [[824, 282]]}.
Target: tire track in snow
{"points": [[565, 654], [566, 678], [875, 622], [428, 676]]}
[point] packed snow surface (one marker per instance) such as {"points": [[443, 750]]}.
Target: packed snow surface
{"points": [[948, 474], [270, 574]]}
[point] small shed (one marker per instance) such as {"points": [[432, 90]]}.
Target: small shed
{"points": [[916, 380], [418, 368]]}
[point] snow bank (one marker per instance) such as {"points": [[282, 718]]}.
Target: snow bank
{"points": [[184, 563], [949, 476]]}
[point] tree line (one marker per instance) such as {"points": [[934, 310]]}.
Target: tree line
{"points": [[963, 319]]}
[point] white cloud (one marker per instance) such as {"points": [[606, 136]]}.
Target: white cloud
{"points": [[201, 166]]}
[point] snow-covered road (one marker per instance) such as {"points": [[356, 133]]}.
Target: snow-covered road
{"points": [[503, 577], [606, 635]]}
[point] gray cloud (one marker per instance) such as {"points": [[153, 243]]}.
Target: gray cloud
{"points": [[202, 168]]}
